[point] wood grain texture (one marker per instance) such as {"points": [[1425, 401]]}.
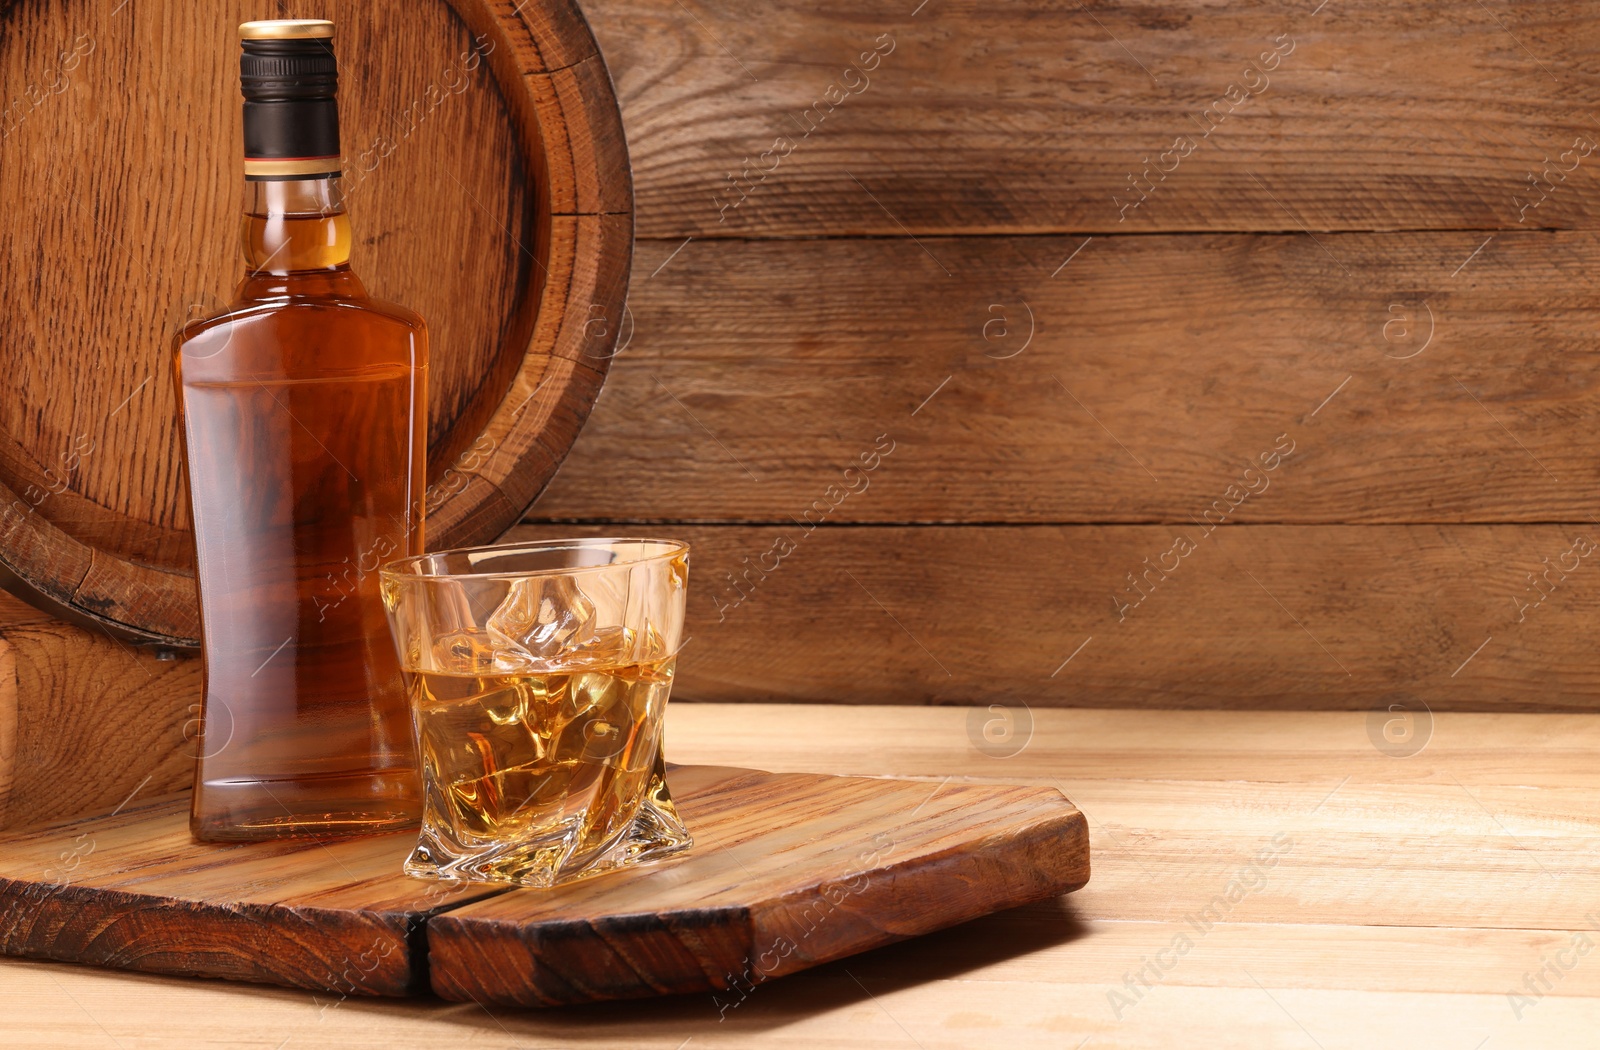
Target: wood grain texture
{"points": [[1436, 374], [8, 726], [1137, 384], [466, 125], [1418, 895], [96, 721], [788, 871], [1207, 748], [1043, 117], [1332, 617], [133, 890], [87, 721]]}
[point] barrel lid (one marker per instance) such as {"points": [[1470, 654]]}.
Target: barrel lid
{"points": [[524, 305]]}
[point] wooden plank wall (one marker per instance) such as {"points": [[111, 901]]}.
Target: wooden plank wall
{"points": [[1103, 353]]}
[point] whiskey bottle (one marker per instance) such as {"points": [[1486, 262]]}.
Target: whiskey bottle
{"points": [[304, 425]]}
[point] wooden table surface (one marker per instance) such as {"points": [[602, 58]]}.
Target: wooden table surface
{"points": [[1398, 901]]}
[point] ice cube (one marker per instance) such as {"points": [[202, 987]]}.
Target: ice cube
{"points": [[479, 749], [603, 717], [655, 645], [480, 733], [542, 617], [463, 653], [606, 647]]}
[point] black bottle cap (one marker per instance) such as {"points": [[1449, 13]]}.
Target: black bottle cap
{"points": [[290, 80]]}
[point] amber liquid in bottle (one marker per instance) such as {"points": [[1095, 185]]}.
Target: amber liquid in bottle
{"points": [[304, 416]]}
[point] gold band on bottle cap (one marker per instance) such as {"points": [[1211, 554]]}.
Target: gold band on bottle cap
{"points": [[290, 167], [287, 29]]}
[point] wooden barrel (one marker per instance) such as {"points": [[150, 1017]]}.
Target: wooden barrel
{"points": [[489, 190]]}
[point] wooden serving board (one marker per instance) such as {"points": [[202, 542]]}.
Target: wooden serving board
{"points": [[788, 870]]}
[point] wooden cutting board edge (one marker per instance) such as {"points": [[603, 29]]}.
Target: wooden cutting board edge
{"points": [[1038, 858], [494, 960]]}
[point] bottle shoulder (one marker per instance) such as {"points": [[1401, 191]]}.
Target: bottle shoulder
{"points": [[337, 310], [336, 287], [301, 336], [402, 315]]}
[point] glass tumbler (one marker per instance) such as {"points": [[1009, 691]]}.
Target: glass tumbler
{"points": [[538, 676]]}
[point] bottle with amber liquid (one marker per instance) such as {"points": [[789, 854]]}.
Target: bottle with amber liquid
{"points": [[304, 425]]}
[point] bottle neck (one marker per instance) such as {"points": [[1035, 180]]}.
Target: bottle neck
{"points": [[295, 226]]}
